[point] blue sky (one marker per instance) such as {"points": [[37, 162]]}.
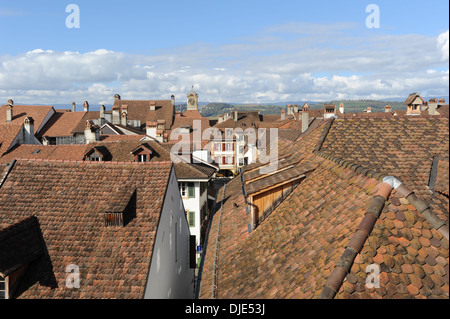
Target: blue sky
{"points": [[241, 51]]}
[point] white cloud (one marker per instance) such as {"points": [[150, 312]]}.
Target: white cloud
{"points": [[442, 43], [321, 62]]}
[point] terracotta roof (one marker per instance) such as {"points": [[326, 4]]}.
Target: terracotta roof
{"points": [[68, 200], [402, 147], [8, 132], [53, 152], [140, 110], [62, 124], [341, 218], [38, 112]]}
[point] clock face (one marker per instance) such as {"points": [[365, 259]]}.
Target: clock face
{"points": [[191, 101]]}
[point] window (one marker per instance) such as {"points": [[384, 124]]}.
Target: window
{"points": [[191, 219], [187, 190], [142, 158], [191, 190], [2, 288], [229, 146], [183, 189]]}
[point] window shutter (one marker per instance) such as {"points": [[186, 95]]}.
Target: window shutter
{"points": [[223, 147], [191, 190], [191, 218]]}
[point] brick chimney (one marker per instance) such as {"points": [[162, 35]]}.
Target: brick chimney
{"points": [[150, 129], [235, 114], [102, 114], [116, 97], [73, 107], [432, 106], [9, 113], [115, 114], [124, 117], [295, 108], [86, 106], [330, 111], [441, 102], [369, 109], [283, 114], [305, 117], [341, 108], [28, 125], [388, 109], [91, 132], [172, 100], [290, 109]]}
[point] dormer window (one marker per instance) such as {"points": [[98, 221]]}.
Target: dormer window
{"points": [[97, 154], [142, 153]]}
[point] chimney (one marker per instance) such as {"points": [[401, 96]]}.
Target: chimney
{"points": [[388, 109], [283, 114], [10, 102], [432, 106], [290, 109], [172, 100], [441, 102], [29, 130], [102, 114], [305, 117], [91, 132], [369, 109], [341, 108], [73, 107], [220, 118], [124, 118], [9, 113], [86, 106], [295, 108], [150, 129], [115, 114], [116, 97], [235, 114], [330, 111], [152, 106]]}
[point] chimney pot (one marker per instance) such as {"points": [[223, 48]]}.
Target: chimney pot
{"points": [[9, 113]]}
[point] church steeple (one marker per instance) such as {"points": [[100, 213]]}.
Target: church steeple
{"points": [[192, 100]]}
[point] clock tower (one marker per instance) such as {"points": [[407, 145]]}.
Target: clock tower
{"points": [[192, 100]]}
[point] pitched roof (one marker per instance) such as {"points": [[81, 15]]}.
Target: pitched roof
{"points": [[341, 218], [140, 110], [8, 133], [53, 152], [62, 123], [402, 147], [40, 113], [68, 200]]}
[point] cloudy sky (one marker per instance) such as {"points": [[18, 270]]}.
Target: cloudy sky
{"points": [[231, 51]]}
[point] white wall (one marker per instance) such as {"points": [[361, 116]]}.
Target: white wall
{"points": [[170, 276]]}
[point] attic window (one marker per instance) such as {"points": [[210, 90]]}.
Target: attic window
{"points": [[142, 158], [3, 284], [122, 208]]}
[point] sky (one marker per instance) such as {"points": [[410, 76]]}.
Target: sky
{"points": [[243, 51]]}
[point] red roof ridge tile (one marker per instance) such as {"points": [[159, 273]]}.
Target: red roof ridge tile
{"points": [[157, 163], [356, 243], [403, 191]]}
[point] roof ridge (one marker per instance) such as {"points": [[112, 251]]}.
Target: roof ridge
{"points": [[322, 137], [422, 207], [157, 163], [356, 243]]}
